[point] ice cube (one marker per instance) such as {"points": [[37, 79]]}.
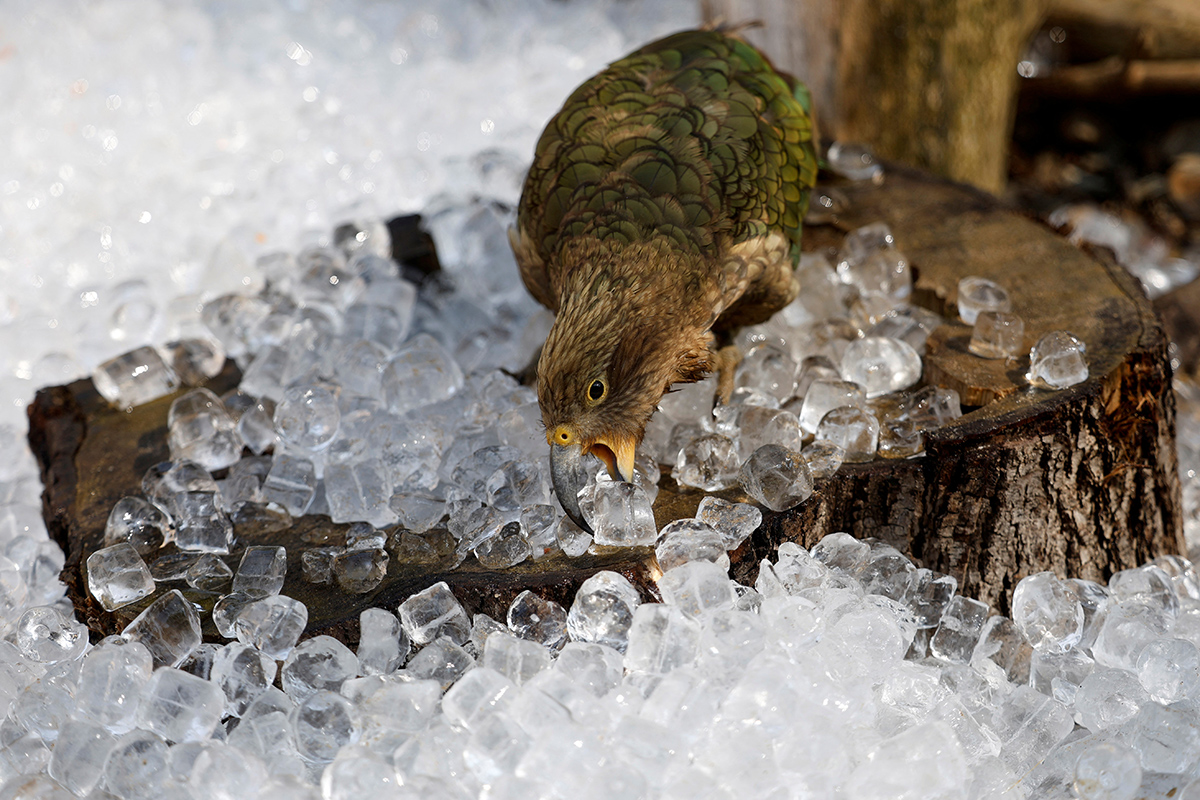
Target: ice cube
{"points": [[432, 613], [111, 680], [620, 514], [180, 707], [505, 549], [881, 365], [1107, 771], [138, 766], [243, 673], [382, 643], [360, 368], [272, 624], [441, 660], [852, 429], [1169, 670], [538, 620], [360, 571], [80, 751], [977, 294], [1126, 629], [734, 521], [420, 374], [517, 484], [689, 540], [753, 426], [517, 659], [261, 571], [776, 477], [709, 462], [1165, 738], [931, 592], [959, 629], [134, 378], [361, 491], [291, 483], [208, 573], [140, 523], [697, 588], [47, 637], [316, 664], [823, 396], [117, 576], [1057, 361], [661, 638], [200, 524], [824, 459], [997, 334], [197, 360], [1047, 612], [169, 628], [199, 429], [768, 370], [1029, 725], [324, 722], [307, 417], [603, 609], [573, 540], [1107, 698]]}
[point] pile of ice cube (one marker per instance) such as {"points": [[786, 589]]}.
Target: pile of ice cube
{"points": [[143, 133], [844, 671]]}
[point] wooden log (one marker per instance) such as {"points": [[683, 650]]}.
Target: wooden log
{"points": [[931, 83]]}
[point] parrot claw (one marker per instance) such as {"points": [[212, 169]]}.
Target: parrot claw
{"points": [[727, 360], [569, 473]]}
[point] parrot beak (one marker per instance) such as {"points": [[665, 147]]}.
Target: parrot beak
{"points": [[569, 474], [617, 454]]}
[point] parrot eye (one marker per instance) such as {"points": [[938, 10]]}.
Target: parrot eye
{"points": [[597, 391]]}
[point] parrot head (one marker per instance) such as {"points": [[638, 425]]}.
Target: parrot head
{"points": [[615, 348]]}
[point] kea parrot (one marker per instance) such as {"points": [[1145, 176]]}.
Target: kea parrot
{"points": [[662, 210]]}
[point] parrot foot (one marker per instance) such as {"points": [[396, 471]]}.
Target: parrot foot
{"points": [[727, 360]]}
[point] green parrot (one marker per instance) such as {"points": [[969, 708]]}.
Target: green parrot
{"points": [[662, 210]]}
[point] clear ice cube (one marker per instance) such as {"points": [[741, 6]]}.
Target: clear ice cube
{"points": [[852, 429], [823, 396], [881, 365], [776, 477], [1057, 361], [134, 378], [977, 294], [180, 707], [432, 613], [169, 628], [997, 334], [602, 611], [200, 429], [272, 624], [117, 576], [538, 620], [734, 521]]}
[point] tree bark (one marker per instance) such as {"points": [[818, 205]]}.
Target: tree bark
{"points": [[931, 83]]}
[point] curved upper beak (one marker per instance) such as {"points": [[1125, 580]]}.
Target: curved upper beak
{"points": [[569, 474]]}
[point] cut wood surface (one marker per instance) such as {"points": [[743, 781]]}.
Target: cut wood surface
{"points": [[1081, 481]]}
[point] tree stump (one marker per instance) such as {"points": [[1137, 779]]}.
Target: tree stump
{"points": [[1081, 481]]}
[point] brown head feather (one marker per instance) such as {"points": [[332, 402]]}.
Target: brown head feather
{"points": [[634, 316]]}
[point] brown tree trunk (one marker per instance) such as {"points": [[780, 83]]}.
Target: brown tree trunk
{"points": [[928, 82]]}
